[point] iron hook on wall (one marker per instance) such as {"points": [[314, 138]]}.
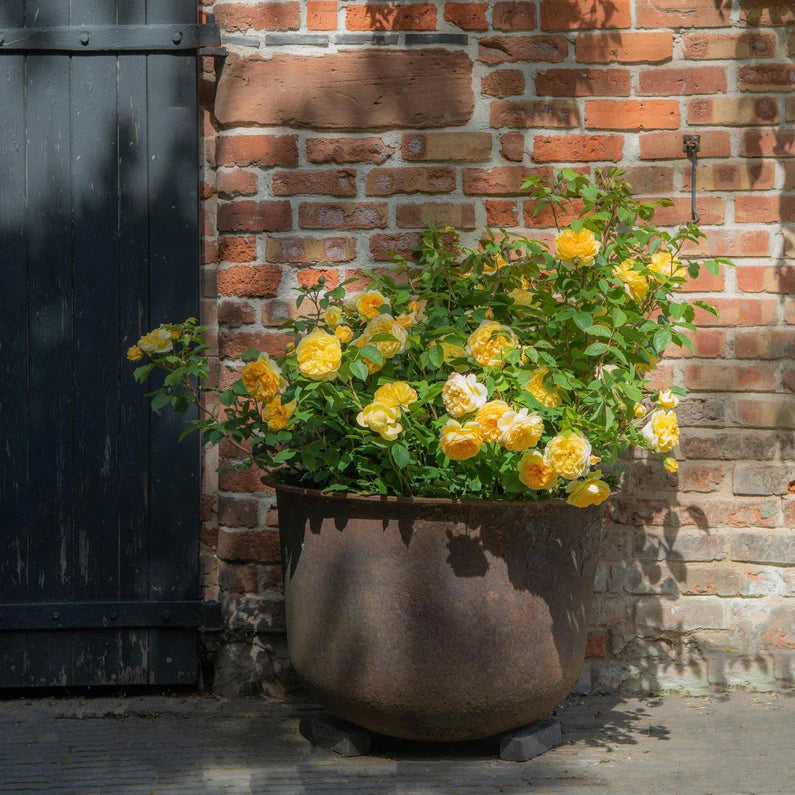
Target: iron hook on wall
{"points": [[692, 143]]}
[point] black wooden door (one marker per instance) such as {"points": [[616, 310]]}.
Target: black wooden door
{"points": [[99, 241]]}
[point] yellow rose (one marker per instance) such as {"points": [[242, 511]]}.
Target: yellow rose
{"points": [[643, 368], [577, 248], [591, 491], [459, 442], [135, 354], [492, 267], [398, 393], [663, 263], [639, 411], [462, 394], [343, 333], [635, 284], [333, 316], [520, 430], [522, 297], [569, 455], [535, 386], [595, 459], [413, 307], [381, 418], [368, 305], [671, 465], [490, 343], [662, 431], [667, 399], [263, 379], [381, 325], [536, 473], [157, 341], [452, 351], [488, 417], [406, 320], [278, 414], [319, 355]]}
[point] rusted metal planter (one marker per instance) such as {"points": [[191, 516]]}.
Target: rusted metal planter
{"points": [[434, 619]]}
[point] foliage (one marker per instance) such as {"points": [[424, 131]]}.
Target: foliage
{"points": [[557, 344]]}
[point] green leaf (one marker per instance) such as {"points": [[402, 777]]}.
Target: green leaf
{"points": [[583, 320], [161, 399], [436, 355], [372, 353], [712, 266], [619, 316], [359, 369], [227, 397], [400, 455], [598, 331], [595, 349], [283, 455], [662, 339]]}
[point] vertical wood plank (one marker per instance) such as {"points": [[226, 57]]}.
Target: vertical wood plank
{"points": [[13, 348], [174, 295]]}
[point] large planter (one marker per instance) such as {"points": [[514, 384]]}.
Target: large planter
{"points": [[433, 619]]}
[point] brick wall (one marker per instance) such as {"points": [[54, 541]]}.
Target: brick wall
{"points": [[336, 130]]}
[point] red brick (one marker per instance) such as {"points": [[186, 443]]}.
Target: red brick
{"points": [[502, 180], [238, 512], [463, 146], [391, 16], [766, 412], [461, 216], [503, 83], [514, 16], [767, 77], [257, 545], [546, 219], [340, 182], [512, 146], [347, 150], [729, 46], [652, 180], [573, 148], [310, 249], [733, 111], [238, 578], [694, 476], [660, 82], [766, 278], [253, 216], [342, 215], [768, 143], [668, 145], [764, 344], [584, 14], [209, 251], [624, 47], [767, 12], [583, 82], [764, 209], [734, 175], [728, 377], [707, 344], [359, 90], [596, 645], [467, 16], [275, 311], [321, 14], [727, 446], [722, 243], [501, 213], [249, 280], [237, 249], [711, 209], [235, 313], [206, 190], [257, 150], [739, 312], [388, 181], [237, 183], [384, 247], [309, 277], [705, 283], [262, 16], [502, 49], [683, 13], [534, 113], [632, 114], [231, 345]]}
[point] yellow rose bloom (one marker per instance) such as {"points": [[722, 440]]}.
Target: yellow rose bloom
{"points": [[343, 333], [413, 307], [671, 465], [577, 248], [493, 267], [406, 320], [591, 491], [646, 368], [536, 473], [595, 459], [520, 430], [635, 284], [569, 455], [459, 442], [522, 297], [639, 411], [383, 324], [663, 263], [667, 399], [263, 379], [319, 355], [333, 316], [398, 393], [662, 431], [535, 386], [452, 351], [157, 341], [278, 414], [368, 305], [462, 394], [135, 354], [488, 417], [490, 343], [382, 419]]}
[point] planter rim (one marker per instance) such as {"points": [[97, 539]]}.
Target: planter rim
{"points": [[372, 499]]}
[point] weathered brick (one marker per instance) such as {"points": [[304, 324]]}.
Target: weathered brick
{"points": [[732, 580], [684, 546], [254, 216], [596, 645], [461, 216], [258, 545], [347, 150], [668, 145], [534, 113], [577, 148], [729, 46], [468, 146], [391, 16], [764, 344], [238, 511], [767, 77], [321, 14], [660, 82], [764, 209], [765, 12], [388, 181], [249, 280], [683, 13], [237, 183], [726, 377], [763, 547], [762, 479], [547, 219], [512, 146], [237, 249], [695, 476], [728, 445], [733, 111], [739, 312], [711, 209], [683, 615], [503, 49], [235, 313], [238, 578], [503, 83], [262, 16], [514, 16], [341, 182], [501, 213], [707, 343], [624, 47], [263, 151], [231, 345], [733, 175], [342, 215], [720, 243], [384, 247], [502, 180], [702, 411], [768, 143], [651, 180], [766, 278], [310, 249], [309, 277], [467, 16], [766, 411], [632, 114], [584, 14], [583, 82]]}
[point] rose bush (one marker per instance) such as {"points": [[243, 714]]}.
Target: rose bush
{"points": [[509, 371]]}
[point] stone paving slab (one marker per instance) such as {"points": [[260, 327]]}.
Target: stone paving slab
{"points": [[739, 743]]}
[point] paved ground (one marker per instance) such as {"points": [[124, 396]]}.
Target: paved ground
{"points": [[742, 743]]}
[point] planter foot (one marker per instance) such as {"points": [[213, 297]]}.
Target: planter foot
{"points": [[522, 744], [333, 734]]}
